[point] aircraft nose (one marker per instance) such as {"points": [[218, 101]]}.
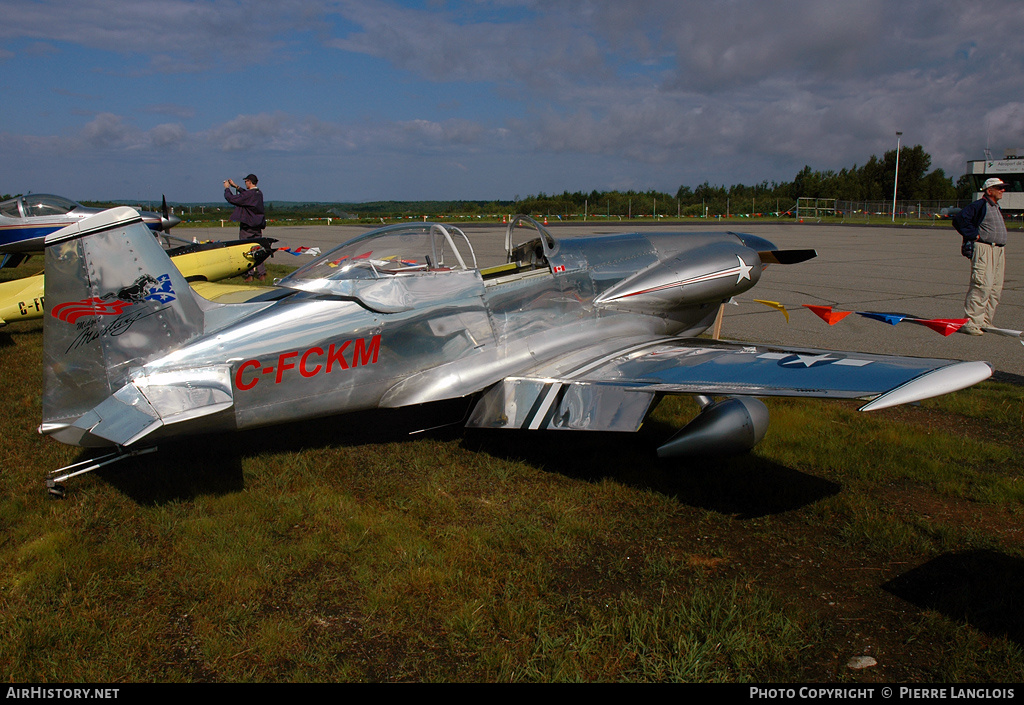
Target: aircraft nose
{"points": [[169, 221]]}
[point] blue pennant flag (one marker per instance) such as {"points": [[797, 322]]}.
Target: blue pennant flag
{"points": [[890, 318]]}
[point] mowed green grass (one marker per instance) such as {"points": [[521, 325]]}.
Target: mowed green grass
{"points": [[347, 550]]}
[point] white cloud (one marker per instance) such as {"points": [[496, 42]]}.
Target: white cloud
{"points": [[175, 35], [679, 90], [168, 135], [448, 46], [108, 131]]}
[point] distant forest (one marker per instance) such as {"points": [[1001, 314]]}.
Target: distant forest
{"points": [[871, 182]]}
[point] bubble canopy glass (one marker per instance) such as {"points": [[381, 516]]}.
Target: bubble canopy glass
{"points": [[398, 250], [394, 268]]}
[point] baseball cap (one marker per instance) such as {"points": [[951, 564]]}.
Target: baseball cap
{"points": [[253, 179], [992, 183]]}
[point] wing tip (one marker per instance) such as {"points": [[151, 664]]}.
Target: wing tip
{"points": [[943, 380]]}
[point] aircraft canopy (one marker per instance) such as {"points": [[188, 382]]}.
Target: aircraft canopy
{"points": [[397, 250], [37, 204]]}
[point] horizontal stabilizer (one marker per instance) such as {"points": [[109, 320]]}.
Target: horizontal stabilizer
{"points": [[147, 404], [122, 419]]}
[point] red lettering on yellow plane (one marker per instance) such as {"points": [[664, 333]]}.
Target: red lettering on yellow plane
{"points": [[310, 363]]}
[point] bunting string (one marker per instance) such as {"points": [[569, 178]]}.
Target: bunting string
{"points": [[943, 326], [296, 251]]}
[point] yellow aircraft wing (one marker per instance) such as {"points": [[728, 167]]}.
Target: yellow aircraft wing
{"points": [[227, 293], [214, 264], [22, 299]]}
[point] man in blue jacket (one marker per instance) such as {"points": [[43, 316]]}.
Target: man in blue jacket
{"points": [[983, 229], [248, 203]]}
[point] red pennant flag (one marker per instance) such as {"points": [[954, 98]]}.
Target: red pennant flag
{"points": [[945, 326], [826, 313]]}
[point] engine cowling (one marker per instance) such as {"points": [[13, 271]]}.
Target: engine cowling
{"points": [[710, 273]]}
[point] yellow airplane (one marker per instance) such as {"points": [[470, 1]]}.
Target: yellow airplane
{"points": [[230, 293], [199, 263], [21, 299]]}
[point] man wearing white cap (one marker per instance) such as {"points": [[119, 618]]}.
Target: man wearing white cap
{"points": [[984, 232]]}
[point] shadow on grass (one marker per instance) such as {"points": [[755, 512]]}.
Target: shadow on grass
{"points": [[187, 467], [983, 588], [1008, 378], [179, 470], [745, 486], [15, 330]]}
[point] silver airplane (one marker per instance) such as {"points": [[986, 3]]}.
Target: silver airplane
{"points": [[583, 333], [25, 221]]}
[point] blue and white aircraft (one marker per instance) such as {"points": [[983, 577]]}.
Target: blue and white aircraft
{"points": [[25, 221]]}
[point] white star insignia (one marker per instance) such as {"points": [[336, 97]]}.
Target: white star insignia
{"points": [[744, 271], [808, 360]]}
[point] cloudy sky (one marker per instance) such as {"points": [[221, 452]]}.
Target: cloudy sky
{"points": [[491, 99]]}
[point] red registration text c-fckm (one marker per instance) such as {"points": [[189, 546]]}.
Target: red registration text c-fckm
{"points": [[309, 363]]}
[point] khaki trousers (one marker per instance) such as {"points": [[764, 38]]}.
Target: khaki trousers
{"points": [[987, 265]]}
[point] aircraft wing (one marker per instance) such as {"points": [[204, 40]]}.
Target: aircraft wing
{"points": [[21, 299], [613, 390]]}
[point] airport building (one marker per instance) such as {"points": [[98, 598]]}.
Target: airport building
{"points": [[1010, 169]]}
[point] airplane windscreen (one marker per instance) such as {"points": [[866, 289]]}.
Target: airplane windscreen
{"points": [[37, 205], [10, 208], [394, 251]]}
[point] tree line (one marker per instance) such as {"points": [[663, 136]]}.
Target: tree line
{"points": [[873, 181]]}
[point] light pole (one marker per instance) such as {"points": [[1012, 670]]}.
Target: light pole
{"points": [[896, 180]]}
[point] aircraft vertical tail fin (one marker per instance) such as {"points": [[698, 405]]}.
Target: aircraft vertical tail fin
{"points": [[114, 301]]}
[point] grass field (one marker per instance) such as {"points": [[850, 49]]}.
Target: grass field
{"points": [[347, 550]]}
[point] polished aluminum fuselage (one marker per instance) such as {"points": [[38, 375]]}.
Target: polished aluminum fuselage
{"points": [[575, 334], [308, 355]]}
